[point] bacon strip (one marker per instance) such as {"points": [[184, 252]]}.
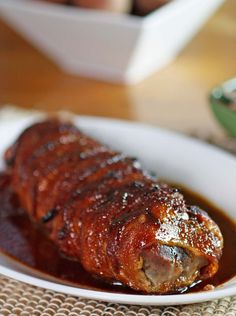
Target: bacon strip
{"points": [[100, 208]]}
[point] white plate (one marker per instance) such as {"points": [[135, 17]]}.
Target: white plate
{"points": [[177, 158]]}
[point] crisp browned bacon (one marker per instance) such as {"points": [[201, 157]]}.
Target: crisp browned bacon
{"points": [[100, 208]]}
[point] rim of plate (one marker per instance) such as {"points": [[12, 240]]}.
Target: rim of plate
{"points": [[134, 299]]}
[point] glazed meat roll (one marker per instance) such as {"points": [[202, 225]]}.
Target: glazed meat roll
{"points": [[100, 208]]}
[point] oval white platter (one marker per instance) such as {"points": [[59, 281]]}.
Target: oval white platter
{"points": [[174, 157]]}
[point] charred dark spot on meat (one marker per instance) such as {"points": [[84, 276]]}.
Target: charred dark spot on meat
{"points": [[138, 184], [155, 187], [63, 233], [49, 215], [114, 174]]}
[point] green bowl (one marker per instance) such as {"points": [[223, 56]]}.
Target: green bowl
{"points": [[221, 98]]}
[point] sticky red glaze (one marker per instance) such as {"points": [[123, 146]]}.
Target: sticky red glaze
{"points": [[101, 209]]}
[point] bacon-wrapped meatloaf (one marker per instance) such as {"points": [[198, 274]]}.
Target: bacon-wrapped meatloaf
{"points": [[100, 208]]}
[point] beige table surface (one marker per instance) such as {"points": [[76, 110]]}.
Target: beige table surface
{"points": [[175, 97]]}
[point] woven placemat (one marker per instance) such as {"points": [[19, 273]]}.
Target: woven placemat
{"points": [[17, 298]]}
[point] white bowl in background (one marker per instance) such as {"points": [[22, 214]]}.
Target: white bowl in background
{"points": [[108, 46]]}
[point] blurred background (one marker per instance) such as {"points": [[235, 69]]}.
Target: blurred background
{"points": [[175, 95]]}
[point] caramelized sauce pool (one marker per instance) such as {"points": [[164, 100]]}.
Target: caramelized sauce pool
{"points": [[21, 240]]}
